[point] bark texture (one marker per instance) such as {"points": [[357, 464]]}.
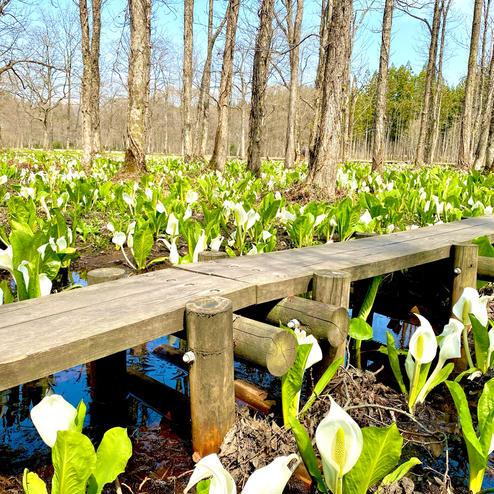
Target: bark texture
{"points": [[382, 88], [292, 32], [465, 155], [203, 103], [430, 76], [218, 159], [90, 82], [323, 153], [138, 84], [187, 79], [260, 71]]}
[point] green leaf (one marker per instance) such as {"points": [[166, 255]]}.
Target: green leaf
{"points": [[8, 297], [461, 375], [80, 416], [360, 329], [111, 458], [74, 460], [400, 472], [323, 382], [485, 415], [485, 247], [32, 484], [370, 297], [481, 340], [441, 377], [291, 382], [476, 456], [156, 260], [394, 362], [307, 453], [143, 243], [380, 453]]}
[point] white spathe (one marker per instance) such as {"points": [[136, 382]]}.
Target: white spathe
{"points": [[450, 345], [211, 467], [339, 440], [119, 238], [315, 354], [6, 259], [44, 284], [423, 343], [50, 415], [272, 478], [471, 303], [172, 225]]}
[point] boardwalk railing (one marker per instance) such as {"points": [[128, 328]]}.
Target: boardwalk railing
{"points": [[46, 335]]}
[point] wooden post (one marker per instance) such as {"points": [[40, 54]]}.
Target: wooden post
{"points": [[333, 288], [209, 255], [209, 326], [108, 375], [465, 260], [101, 275]]}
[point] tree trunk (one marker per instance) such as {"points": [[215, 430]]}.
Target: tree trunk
{"points": [[465, 156], [438, 96], [218, 158], [90, 83], [260, 71], [324, 151], [138, 84], [326, 15], [489, 159], [243, 125], [487, 112], [430, 76], [202, 126], [293, 30], [187, 79], [381, 90]]}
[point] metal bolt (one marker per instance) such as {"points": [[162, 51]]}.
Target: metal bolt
{"points": [[457, 270], [189, 357]]}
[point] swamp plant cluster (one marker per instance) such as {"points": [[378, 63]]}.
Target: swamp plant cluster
{"points": [[53, 209]]}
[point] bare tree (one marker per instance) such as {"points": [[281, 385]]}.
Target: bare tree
{"points": [[138, 84], [260, 70], [427, 109], [465, 156], [218, 158], [187, 79], [90, 82], [204, 96], [292, 32], [381, 90], [324, 150]]}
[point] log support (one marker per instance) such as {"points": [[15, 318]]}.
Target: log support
{"points": [[209, 327]]}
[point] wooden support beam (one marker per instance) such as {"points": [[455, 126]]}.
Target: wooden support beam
{"points": [[209, 326], [102, 275], [266, 346], [485, 268], [325, 322], [253, 395], [162, 398]]}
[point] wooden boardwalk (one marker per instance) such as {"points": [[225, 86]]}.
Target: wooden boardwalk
{"points": [[46, 335]]}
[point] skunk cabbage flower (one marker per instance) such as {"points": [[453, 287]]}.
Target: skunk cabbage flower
{"points": [[172, 247], [471, 303], [315, 354], [6, 259], [201, 246], [50, 415], [119, 239], [210, 467], [160, 208], [366, 218], [272, 478], [450, 345], [172, 225], [423, 343], [216, 243], [191, 197], [491, 345], [339, 440], [44, 284]]}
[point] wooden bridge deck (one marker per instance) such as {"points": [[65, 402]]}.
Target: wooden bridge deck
{"points": [[46, 335]]}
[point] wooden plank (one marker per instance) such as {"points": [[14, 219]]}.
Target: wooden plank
{"points": [[35, 346], [485, 268]]}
